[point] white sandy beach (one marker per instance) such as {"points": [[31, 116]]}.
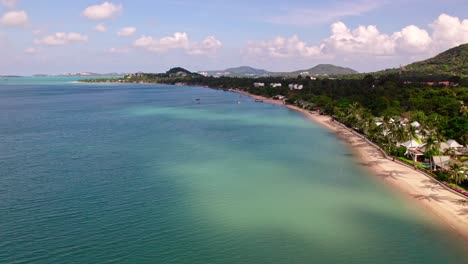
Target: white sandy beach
{"points": [[449, 209]]}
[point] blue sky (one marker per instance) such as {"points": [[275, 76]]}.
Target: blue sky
{"points": [[52, 36]]}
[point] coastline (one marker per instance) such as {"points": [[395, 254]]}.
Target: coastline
{"points": [[449, 209]]}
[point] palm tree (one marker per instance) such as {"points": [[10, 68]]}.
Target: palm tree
{"points": [[464, 110], [399, 133], [432, 145], [452, 152], [457, 172], [412, 132]]}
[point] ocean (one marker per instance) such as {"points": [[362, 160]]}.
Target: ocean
{"points": [[140, 173]]}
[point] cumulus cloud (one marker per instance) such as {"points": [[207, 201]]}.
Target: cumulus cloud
{"points": [[282, 47], [127, 31], [8, 3], [412, 39], [100, 27], [179, 40], [105, 10], [15, 19], [208, 45], [362, 40], [447, 32], [61, 38]]}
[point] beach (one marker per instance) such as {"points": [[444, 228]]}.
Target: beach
{"points": [[449, 209]]}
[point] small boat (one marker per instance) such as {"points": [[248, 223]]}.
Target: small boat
{"points": [[198, 99], [259, 100]]}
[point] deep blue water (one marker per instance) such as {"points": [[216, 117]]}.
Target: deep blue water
{"points": [[96, 173]]}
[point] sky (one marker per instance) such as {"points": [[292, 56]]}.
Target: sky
{"points": [[56, 36]]}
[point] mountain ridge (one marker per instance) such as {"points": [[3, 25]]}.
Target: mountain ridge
{"points": [[248, 71]]}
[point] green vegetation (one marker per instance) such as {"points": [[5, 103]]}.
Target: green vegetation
{"points": [[321, 69], [451, 62], [410, 162], [246, 70], [379, 106]]}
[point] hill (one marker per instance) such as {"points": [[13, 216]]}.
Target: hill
{"points": [[324, 69], [247, 71], [242, 71], [451, 62]]}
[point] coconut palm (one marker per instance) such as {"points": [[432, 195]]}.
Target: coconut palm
{"points": [[457, 172], [464, 110], [452, 152], [412, 132], [432, 145], [399, 133]]}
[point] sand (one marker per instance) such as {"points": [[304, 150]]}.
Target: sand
{"points": [[450, 209]]}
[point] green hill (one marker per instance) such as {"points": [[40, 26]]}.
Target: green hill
{"points": [[325, 69], [451, 62], [247, 70]]}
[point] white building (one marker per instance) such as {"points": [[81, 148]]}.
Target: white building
{"points": [[294, 86], [259, 84], [274, 85]]}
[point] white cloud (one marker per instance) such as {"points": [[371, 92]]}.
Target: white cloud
{"points": [[281, 47], [105, 10], [15, 19], [367, 40], [412, 39], [61, 38], [179, 40], [100, 27], [127, 31], [207, 46], [362, 40], [449, 31], [8, 3]]}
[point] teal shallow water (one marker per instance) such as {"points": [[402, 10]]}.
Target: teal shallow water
{"points": [[145, 174]]}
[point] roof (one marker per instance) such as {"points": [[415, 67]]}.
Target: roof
{"points": [[453, 144], [442, 161], [411, 144], [415, 124]]}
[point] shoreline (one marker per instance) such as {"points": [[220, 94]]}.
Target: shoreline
{"points": [[450, 210]]}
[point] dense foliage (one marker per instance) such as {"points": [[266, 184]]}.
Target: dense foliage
{"points": [[384, 96]]}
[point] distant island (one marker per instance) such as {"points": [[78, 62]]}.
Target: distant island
{"points": [[92, 74]]}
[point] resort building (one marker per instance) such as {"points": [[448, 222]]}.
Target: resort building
{"points": [[274, 85], [259, 85], [293, 86]]}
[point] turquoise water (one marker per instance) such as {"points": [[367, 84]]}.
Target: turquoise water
{"points": [[146, 174]]}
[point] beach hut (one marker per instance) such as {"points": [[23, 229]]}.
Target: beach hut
{"points": [[453, 144], [441, 162], [411, 144], [415, 124]]}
